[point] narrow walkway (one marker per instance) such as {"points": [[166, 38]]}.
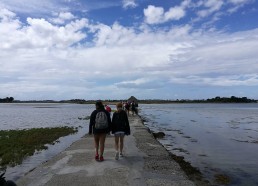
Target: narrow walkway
{"points": [[146, 162]]}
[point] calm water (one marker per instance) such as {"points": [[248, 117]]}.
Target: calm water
{"points": [[216, 138], [23, 116]]}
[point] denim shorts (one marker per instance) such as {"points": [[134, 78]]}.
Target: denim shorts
{"points": [[119, 134]]}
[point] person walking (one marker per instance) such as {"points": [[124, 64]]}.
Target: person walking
{"points": [[127, 108], [133, 108], [120, 127], [100, 124], [108, 108]]}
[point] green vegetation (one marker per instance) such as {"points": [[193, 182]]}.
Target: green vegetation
{"points": [[18, 144]]}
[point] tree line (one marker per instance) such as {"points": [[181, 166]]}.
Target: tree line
{"points": [[232, 99], [217, 99], [6, 100]]}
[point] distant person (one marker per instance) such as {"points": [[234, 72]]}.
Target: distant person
{"points": [[133, 107], [100, 124], [108, 108], [120, 127], [123, 105], [127, 107]]}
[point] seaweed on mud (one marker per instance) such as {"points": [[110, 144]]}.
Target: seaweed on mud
{"points": [[222, 179], [193, 140], [186, 136], [203, 155], [181, 150], [192, 172], [243, 141]]}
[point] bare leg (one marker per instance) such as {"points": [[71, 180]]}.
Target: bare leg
{"points": [[96, 140], [116, 142], [102, 143], [121, 146]]}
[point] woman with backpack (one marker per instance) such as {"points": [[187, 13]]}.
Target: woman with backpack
{"points": [[100, 123], [120, 127]]}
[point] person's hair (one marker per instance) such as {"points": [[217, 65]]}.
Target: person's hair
{"points": [[99, 104], [119, 105]]}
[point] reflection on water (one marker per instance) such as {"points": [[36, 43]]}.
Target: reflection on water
{"points": [[216, 138], [22, 116]]}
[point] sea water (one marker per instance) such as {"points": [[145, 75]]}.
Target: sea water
{"points": [[17, 116], [215, 138], [218, 139]]}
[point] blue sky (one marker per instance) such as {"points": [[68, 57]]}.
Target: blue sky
{"points": [[112, 49]]}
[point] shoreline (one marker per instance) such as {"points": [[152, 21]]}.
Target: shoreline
{"points": [[192, 172]]}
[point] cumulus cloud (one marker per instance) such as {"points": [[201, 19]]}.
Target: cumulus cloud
{"points": [[62, 18], [39, 33], [157, 15], [41, 59], [153, 14], [6, 14]]}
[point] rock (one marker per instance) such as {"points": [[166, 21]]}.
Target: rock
{"points": [[158, 134]]}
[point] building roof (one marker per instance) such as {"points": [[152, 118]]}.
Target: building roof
{"points": [[132, 98]]}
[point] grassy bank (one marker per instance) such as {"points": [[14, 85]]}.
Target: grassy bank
{"points": [[18, 144]]}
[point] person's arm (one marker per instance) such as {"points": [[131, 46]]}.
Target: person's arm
{"points": [[128, 130], [109, 120], [92, 120]]}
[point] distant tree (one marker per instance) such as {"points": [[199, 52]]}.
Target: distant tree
{"points": [[7, 100]]}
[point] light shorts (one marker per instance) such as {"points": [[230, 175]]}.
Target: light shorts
{"points": [[119, 134]]}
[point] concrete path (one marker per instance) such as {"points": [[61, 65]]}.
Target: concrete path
{"points": [[146, 162]]}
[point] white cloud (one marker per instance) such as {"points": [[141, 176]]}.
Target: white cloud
{"points": [[156, 15], [223, 81], [142, 83], [6, 14], [63, 17], [174, 13], [43, 60], [129, 4], [31, 6], [237, 4], [39, 33], [238, 1], [210, 6], [153, 14]]}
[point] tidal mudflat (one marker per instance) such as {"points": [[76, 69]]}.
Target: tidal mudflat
{"points": [[218, 139]]}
